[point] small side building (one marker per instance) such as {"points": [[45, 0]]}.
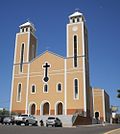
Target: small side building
{"points": [[101, 105]]}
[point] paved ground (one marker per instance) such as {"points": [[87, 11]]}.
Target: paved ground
{"points": [[115, 131], [43, 130]]}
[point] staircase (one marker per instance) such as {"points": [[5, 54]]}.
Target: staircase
{"points": [[66, 119]]}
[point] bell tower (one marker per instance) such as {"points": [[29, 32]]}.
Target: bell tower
{"points": [[25, 51], [25, 48], [75, 37], [77, 55]]}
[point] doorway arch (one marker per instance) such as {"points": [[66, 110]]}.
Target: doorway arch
{"points": [[59, 108], [45, 108], [32, 109]]}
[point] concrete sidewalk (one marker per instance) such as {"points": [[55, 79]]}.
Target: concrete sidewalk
{"points": [[93, 125], [115, 131]]}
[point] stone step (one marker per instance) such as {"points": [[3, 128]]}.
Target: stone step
{"points": [[66, 119]]}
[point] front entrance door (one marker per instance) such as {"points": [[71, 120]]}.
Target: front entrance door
{"points": [[59, 109], [46, 108], [32, 109]]}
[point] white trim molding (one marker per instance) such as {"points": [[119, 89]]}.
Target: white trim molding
{"points": [[27, 90], [63, 109], [67, 27], [15, 51], [41, 106], [93, 99], [12, 85], [65, 85], [29, 107], [28, 47], [84, 73], [13, 72], [103, 99]]}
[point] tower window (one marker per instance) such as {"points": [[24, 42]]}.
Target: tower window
{"points": [[59, 87], [75, 51], [21, 60], [22, 29], [26, 29], [73, 20], [76, 96], [45, 90], [33, 89], [19, 92], [78, 19]]}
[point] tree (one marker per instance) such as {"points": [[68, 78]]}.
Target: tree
{"points": [[4, 112], [118, 93]]}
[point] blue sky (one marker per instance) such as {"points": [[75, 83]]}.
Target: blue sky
{"points": [[50, 18]]}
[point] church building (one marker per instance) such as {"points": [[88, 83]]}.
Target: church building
{"points": [[50, 84]]}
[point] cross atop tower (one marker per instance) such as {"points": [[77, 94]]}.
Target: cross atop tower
{"points": [[77, 9]]}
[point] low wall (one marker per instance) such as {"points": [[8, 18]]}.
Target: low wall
{"points": [[80, 120]]}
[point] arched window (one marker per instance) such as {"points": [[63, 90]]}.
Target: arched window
{"points": [[45, 90], [22, 29], [21, 58], [78, 19], [75, 51], [76, 95], [33, 89], [19, 92], [59, 87], [73, 20], [26, 29]]}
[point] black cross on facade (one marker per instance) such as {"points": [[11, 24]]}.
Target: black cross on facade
{"points": [[46, 66]]}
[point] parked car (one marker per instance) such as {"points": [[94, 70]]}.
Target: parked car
{"points": [[54, 122], [8, 120], [26, 119]]}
